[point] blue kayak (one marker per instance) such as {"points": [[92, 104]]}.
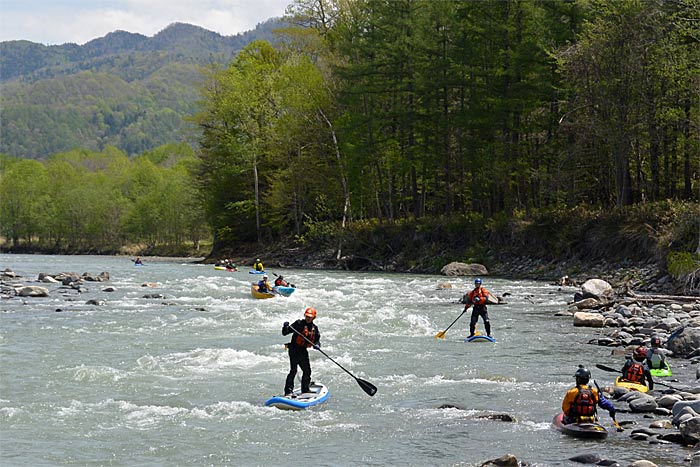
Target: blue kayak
{"points": [[480, 338], [284, 291], [298, 401], [256, 272]]}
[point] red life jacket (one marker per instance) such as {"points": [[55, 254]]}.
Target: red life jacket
{"points": [[310, 334], [481, 292], [635, 373], [584, 403]]}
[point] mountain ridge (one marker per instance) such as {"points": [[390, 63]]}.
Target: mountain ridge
{"points": [[123, 89]]}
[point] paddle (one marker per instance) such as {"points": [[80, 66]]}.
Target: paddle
{"points": [[613, 370], [441, 334], [612, 415], [366, 386]]}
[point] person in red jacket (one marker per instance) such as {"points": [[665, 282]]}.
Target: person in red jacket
{"points": [[636, 370], [298, 353], [478, 297]]}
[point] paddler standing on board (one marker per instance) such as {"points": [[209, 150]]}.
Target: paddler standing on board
{"points": [[298, 353], [478, 297]]}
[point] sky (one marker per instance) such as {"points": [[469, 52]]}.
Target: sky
{"points": [[53, 22]]}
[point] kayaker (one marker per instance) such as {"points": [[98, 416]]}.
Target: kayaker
{"points": [[656, 358], [297, 347], [280, 281], [137, 260], [579, 405], [636, 370], [478, 297], [258, 266], [264, 285]]}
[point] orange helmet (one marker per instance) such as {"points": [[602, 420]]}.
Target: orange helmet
{"points": [[310, 312]]}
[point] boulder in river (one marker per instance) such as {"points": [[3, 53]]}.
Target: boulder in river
{"points": [[463, 269], [598, 289], [589, 320], [685, 342]]}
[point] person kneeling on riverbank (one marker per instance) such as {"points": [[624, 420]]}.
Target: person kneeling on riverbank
{"points": [[636, 370], [579, 405]]}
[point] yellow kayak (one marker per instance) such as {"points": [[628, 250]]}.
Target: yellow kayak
{"points": [[621, 383], [254, 292]]}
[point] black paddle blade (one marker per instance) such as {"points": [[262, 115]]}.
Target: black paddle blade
{"points": [[607, 368], [366, 386]]}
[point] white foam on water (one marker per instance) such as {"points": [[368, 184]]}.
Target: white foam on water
{"points": [[88, 373]]}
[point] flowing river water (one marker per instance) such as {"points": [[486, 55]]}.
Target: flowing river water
{"points": [[182, 380]]}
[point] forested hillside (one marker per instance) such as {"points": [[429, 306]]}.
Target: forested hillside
{"points": [[125, 90], [467, 115]]}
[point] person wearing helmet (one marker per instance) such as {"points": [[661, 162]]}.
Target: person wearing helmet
{"points": [[297, 349], [478, 297], [579, 405], [258, 265], [656, 358], [636, 370], [263, 285]]}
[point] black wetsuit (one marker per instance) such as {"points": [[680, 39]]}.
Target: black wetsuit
{"points": [[298, 353]]}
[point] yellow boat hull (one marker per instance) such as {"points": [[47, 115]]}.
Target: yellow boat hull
{"points": [[621, 383], [254, 292]]}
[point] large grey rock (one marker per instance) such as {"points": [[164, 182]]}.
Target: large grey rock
{"points": [[685, 342], [463, 269], [586, 304], [668, 400], [589, 320], [643, 404], [597, 288], [690, 430], [33, 291]]}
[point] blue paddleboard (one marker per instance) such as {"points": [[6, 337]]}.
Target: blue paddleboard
{"points": [[480, 338], [256, 272], [298, 401]]}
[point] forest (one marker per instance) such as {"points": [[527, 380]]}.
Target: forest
{"points": [[455, 123]]}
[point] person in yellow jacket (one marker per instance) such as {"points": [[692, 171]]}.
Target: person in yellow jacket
{"points": [[579, 405], [258, 266]]}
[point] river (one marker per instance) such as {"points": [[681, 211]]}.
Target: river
{"points": [[182, 380]]}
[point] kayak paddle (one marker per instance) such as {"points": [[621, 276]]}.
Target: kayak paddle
{"points": [[613, 370], [612, 414], [366, 386], [441, 334]]}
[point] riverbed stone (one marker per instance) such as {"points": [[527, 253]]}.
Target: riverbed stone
{"points": [[509, 460], [668, 400], [33, 291], [684, 342], [661, 424], [590, 458], [643, 404], [690, 430], [642, 463], [590, 320]]}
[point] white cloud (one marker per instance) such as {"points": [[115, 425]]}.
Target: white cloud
{"points": [[57, 22]]}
